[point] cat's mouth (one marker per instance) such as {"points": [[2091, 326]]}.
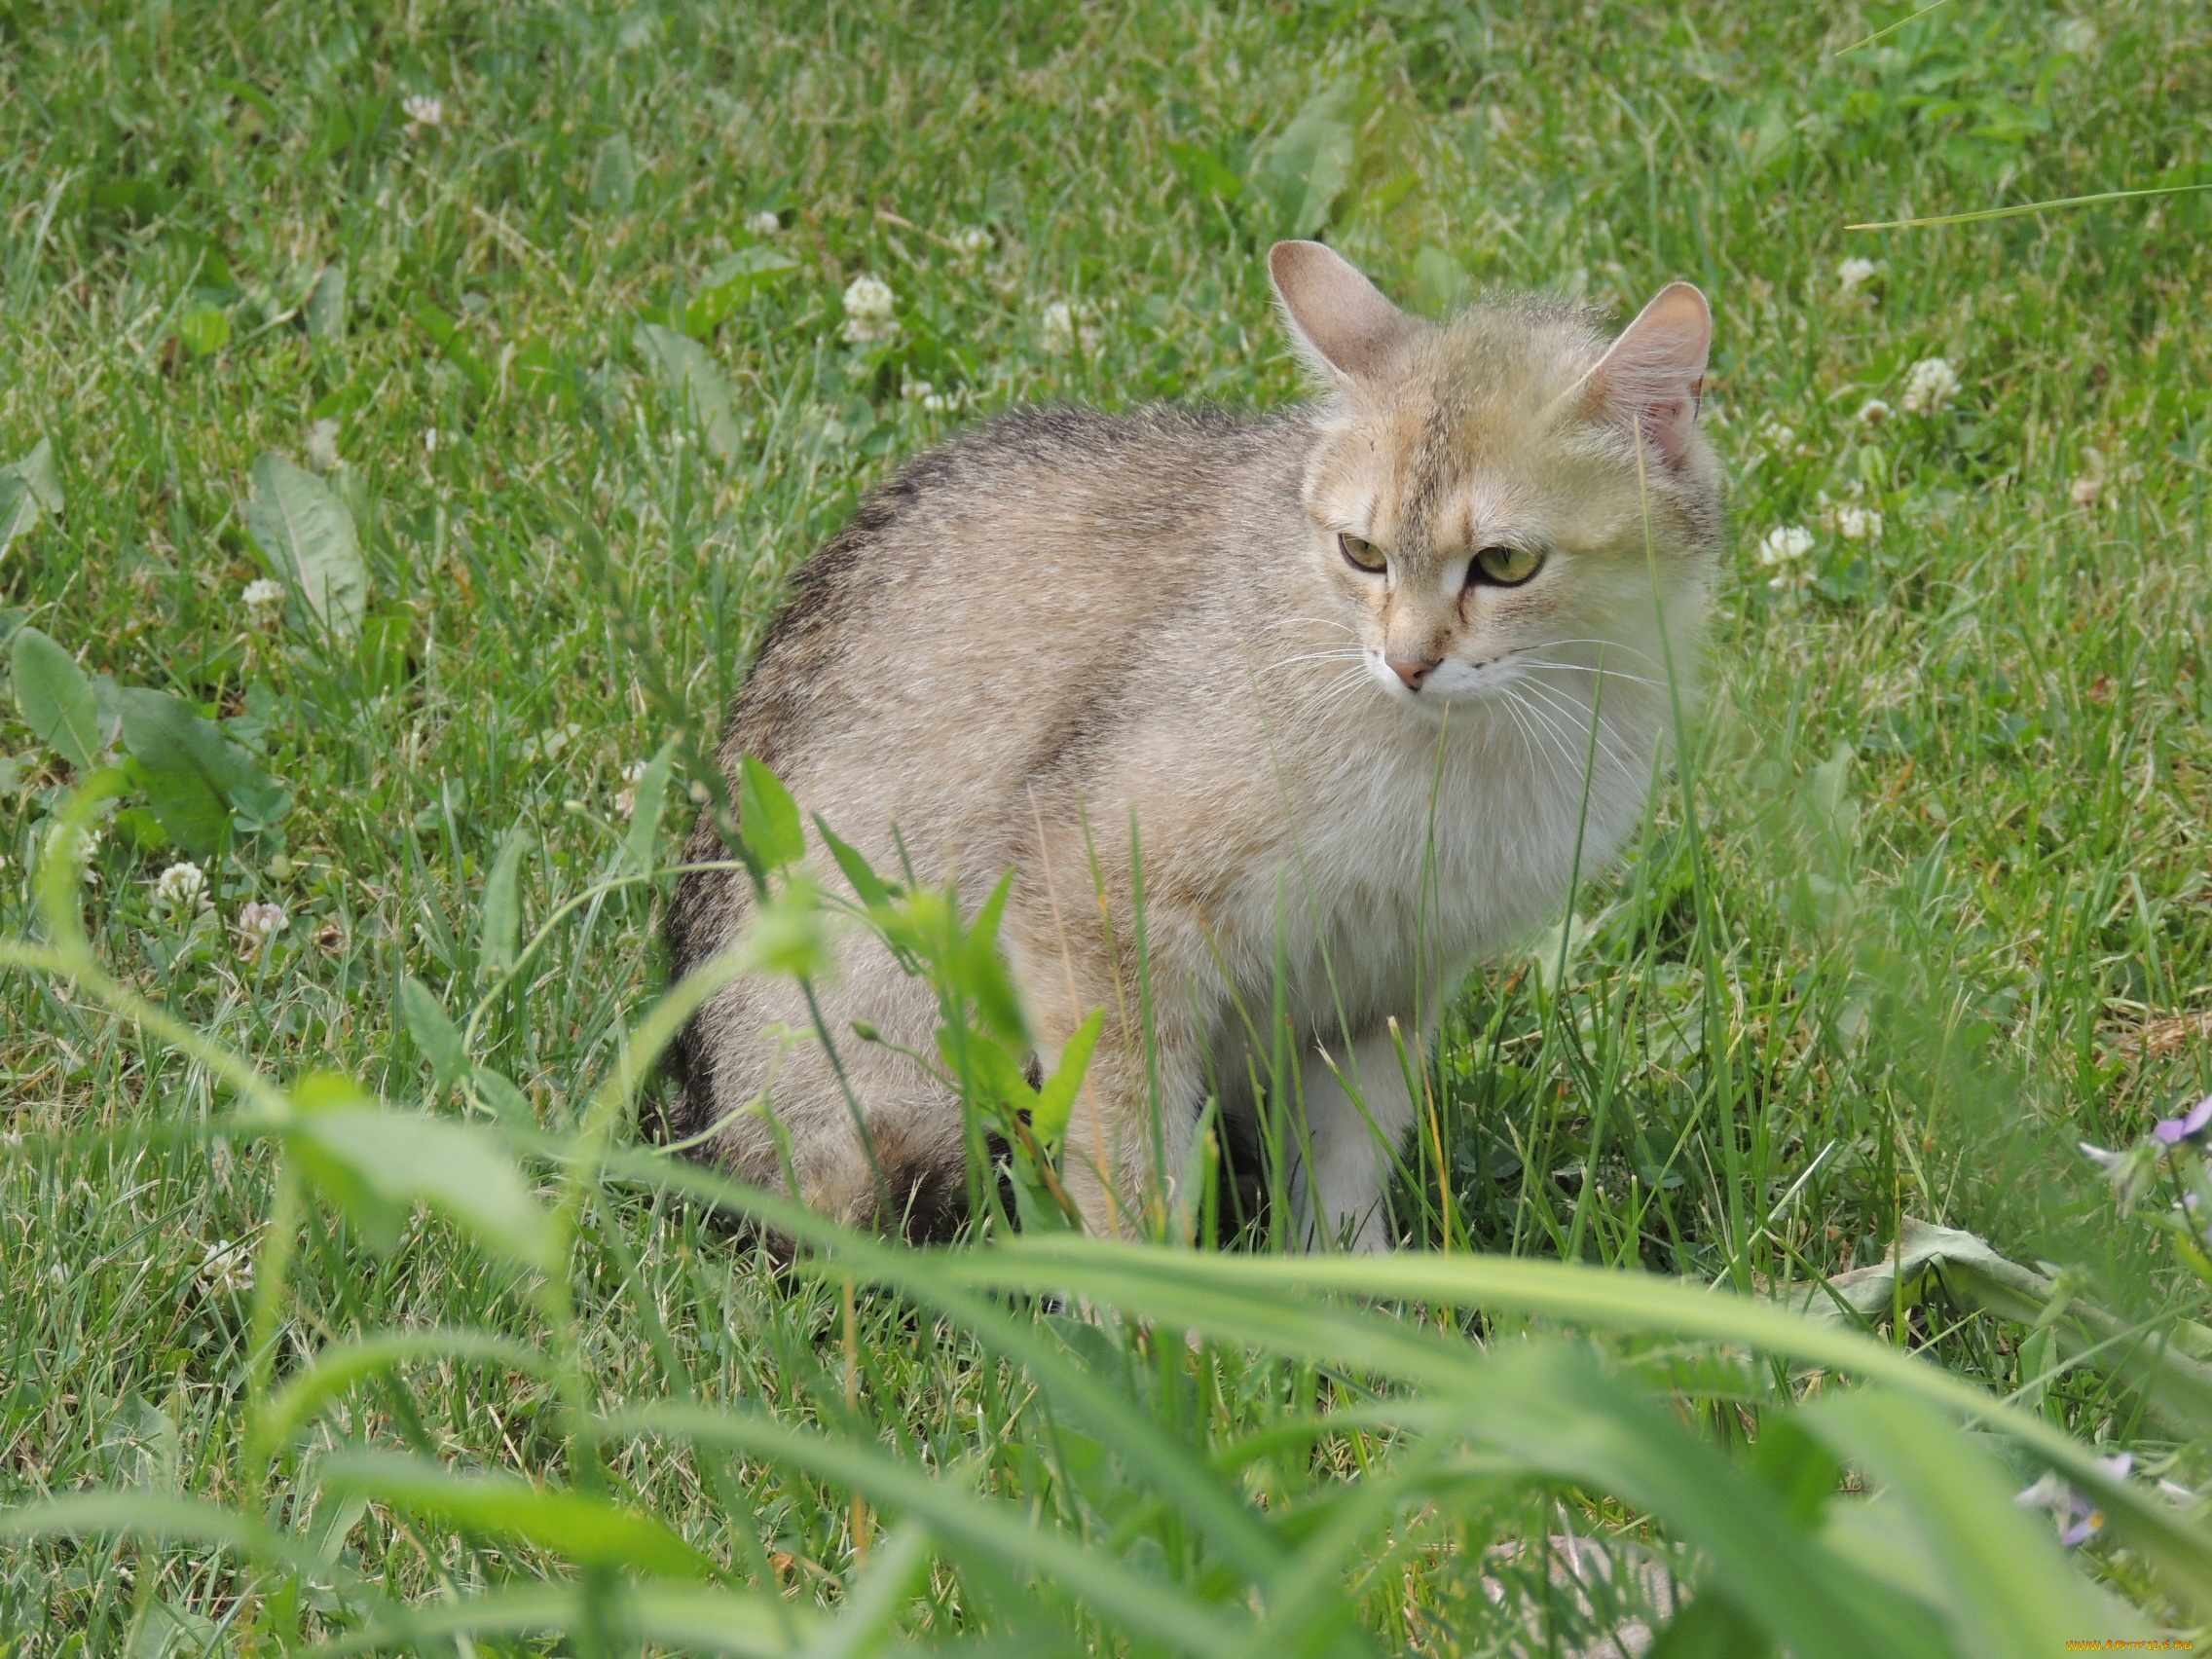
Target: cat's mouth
{"points": [[1448, 680]]}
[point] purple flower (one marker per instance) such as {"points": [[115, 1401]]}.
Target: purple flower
{"points": [[2083, 1531], [2078, 1519], [2190, 1126]]}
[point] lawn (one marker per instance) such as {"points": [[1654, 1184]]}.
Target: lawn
{"points": [[549, 321]]}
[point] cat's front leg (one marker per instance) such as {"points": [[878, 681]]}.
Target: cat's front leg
{"points": [[1357, 1108], [1127, 1145]]}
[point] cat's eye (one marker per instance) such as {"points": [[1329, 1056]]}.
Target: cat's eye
{"points": [[1506, 566], [1362, 554]]}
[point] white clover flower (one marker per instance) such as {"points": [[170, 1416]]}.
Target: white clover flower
{"points": [[1853, 274], [1929, 387], [626, 798], [421, 110], [1069, 326], [264, 599], [1858, 524], [182, 888], [1874, 412], [869, 299], [1775, 437], [1784, 552], [226, 1266], [77, 845], [763, 224], [869, 304], [915, 391], [937, 402], [431, 438], [969, 241], [322, 446], [1786, 545], [1059, 326], [260, 922]]}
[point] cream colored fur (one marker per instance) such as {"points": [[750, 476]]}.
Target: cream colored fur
{"points": [[1063, 636]]}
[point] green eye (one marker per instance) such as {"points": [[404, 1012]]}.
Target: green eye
{"points": [[1507, 567], [1362, 554]]}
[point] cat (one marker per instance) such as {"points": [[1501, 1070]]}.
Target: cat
{"points": [[1359, 679]]}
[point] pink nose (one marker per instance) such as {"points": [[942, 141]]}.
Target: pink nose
{"points": [[1412, 673]]}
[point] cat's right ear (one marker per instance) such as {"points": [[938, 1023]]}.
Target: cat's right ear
{"points": [[1338, 319], [1650, 378]]}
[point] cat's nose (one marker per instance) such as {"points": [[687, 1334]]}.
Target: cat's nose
{"points": [[1413, 673]]}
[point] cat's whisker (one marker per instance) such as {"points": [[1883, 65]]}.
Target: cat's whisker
{"points": [[1580, 712], [1611, 645], [1336, 623], [1567, 764], [1511, 705], [1566, 718], [1575, 716], [1336, 653], [1591, 668], [1592, 757], [1543, 743], [1341, 690]]}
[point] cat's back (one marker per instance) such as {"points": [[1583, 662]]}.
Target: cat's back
{"points": [[984, 611]]}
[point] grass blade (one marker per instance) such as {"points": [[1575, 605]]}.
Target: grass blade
{"points": [[1148, 1605], [340, 1366], [1158, 1283], [586, 1530], [2011, 1590], [2025, 208]]}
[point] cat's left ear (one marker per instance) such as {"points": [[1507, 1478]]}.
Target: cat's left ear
{"points": [[1338, 319], [1652, 377]]}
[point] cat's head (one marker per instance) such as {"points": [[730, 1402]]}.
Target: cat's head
{"points": [[1506, 489]]}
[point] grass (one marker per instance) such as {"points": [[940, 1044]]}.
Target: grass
{"points": [[1929, 903]]}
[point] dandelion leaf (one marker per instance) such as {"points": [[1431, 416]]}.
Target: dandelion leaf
{"points": [[18, 510], [305, 534], [55, 697], [433, 1031], [1306, 169], [36, 471], [500, 940], [730, 282], [191, 769], [29, 488], [648, 805], [325, 309], [692, 376]]}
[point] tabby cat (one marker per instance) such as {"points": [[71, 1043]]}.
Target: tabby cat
{"points": [[1357, 678]]}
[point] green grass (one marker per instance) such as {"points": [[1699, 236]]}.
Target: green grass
{"points": [[1931, 901]]}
